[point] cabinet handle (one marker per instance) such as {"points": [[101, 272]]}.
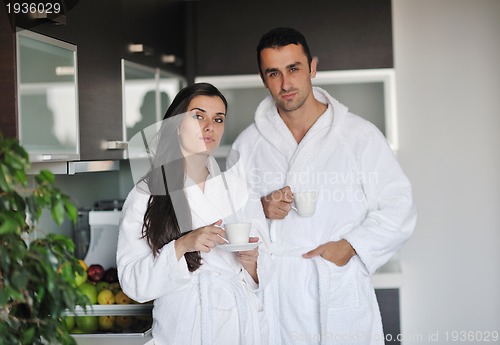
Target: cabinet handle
{"points": [[115, 145]]}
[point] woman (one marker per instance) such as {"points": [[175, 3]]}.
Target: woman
{"points": [[171, 244]]}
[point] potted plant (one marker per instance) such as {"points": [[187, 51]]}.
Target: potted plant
{"points": [[36, 278]]}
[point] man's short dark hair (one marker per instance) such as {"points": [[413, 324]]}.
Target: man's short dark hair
{"points": [[280, 37]]}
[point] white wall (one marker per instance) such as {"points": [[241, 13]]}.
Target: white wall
{"points": [[447, 59]]}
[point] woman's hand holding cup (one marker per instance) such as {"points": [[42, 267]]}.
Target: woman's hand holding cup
{"points": [[200, 240]]}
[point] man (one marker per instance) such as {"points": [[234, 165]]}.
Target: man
{"points": [[303, 139]]}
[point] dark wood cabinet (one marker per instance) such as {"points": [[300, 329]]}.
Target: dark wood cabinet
{"points": [[208, 38], [343, 35], [388, 300], [96, 32], [102, 31], [8, 122]]}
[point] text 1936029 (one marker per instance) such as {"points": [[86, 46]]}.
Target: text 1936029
{"points": [[28, 7]]}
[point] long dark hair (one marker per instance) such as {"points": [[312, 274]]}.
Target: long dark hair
{"points": [[162, 223]]}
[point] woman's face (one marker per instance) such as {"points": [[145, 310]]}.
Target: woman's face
{"points": [[203, 125]]}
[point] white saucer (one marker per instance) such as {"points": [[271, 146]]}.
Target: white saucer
{"points": [[239, 247]]}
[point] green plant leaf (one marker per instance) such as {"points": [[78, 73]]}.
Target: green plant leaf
{"points": [[40, 295], [14, 294], [4, 297], [57, 211], [45, 176], [14, 161], [21, 178], [33, 287], [20, 279], [27, 336], [9, 224], [4, 180], [71, 210]]}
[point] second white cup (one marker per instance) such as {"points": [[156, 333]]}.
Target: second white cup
{"points": [[237, 233], [305, 203]]}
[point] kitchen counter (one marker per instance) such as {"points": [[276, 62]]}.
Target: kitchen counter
{"points": [[389, 276]]}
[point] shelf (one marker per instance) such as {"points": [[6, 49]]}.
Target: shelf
{"points": [[117, 336], [113, 309], [115, 340]]}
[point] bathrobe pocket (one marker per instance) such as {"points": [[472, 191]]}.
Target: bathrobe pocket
{"points": [[343, 289]]}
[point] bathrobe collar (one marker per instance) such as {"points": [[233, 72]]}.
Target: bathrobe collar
{"points": [[318, 139]]}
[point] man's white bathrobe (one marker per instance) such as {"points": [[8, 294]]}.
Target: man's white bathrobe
{"points": [[216, 304], [364, 197]]}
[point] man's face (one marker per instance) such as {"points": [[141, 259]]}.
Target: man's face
{"points": [[285, 72]]}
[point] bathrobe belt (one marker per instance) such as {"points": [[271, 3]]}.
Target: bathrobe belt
{"points": [[206, 281], [279, 250]]}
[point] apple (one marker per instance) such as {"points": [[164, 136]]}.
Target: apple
{"points": [[95, 273], [81, 278], [77, 331], [101, 285], [106, 323], [115, 287], [90, 291], [111, 275], [105, 296], [124, 322], [87, 324], [70, 322], [122, 298]]}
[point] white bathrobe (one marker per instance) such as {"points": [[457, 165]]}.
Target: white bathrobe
{"points": [[364, 197], [216, 304]]}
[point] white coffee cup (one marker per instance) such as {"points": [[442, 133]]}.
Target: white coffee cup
{"points": [[305, 203], [238, 233]]}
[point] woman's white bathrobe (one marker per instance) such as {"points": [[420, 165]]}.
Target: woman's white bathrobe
{"points": [[216, 304], [364, 197]]}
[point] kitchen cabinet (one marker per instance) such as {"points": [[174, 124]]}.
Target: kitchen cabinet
{"points": [[102, 31], [97, 36], [388, 281], [344, 35], [47, 97], [147, 93], [368, 93], [388, 300]]}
